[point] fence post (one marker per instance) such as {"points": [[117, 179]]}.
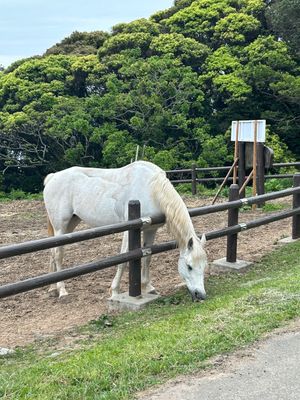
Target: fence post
{"points": [[233, 217], [194, 180], [296, 203], [241, 168], [260, 171], [134, 242]]}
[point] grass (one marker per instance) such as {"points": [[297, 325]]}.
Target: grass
{"points": [[132, 351], [18, 194], [270, 207]]}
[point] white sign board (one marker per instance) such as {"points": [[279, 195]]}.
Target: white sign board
{"points": [[246, 130]]}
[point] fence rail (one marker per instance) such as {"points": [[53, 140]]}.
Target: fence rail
{"points": [[136, 252], [47, 279], [194, 180], [226, 167], [93, 233]]}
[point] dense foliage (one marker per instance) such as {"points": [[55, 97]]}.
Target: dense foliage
{"points": [[170, 84]]}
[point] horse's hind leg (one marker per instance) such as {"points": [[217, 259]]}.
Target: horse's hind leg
{"points": [[52, 268], [57, 256], [149, 236], [115, 286]]}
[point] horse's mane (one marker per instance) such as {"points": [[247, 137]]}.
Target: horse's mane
{"points": [[177, 217]]}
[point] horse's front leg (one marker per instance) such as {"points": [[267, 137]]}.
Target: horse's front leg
{"points": [[115, 286], [147, 287]]}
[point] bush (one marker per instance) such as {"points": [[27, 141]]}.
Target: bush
{"points": [[274, 185], [17, 194], [184, 188], [4, 196]]}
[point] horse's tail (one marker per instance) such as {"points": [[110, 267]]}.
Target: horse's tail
{"points": [[49, 227]]}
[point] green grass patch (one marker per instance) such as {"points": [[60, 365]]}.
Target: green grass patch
{"points": [[270, 207], [132, 351], [17, 194]]}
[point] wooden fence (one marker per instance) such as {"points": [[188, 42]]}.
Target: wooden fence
{"points": [[190, 175], [136, 252]]}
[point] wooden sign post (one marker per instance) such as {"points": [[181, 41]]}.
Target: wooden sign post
{"points": [[254, 184], [253, 131], [241, 132], [236, 152]]}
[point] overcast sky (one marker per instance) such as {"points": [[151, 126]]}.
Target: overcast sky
{"points": [[29, 27]]}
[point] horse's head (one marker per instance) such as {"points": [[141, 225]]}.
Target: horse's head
{"points": [[191, 266]]}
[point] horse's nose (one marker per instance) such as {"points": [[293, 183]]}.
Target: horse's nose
{"points": [[197, 295]]}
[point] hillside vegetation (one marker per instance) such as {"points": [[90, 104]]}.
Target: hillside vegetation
{"points": [[171, 84]]}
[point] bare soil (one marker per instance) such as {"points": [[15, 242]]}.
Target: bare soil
{"points": [[36, 315]]}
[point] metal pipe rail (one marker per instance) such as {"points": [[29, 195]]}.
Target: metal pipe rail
{"points": [[291, 164], [69, 238], [46, 279], [224, 168], [55, 241], [230, 179], [241, 202], [241, 168], [199, 169]]}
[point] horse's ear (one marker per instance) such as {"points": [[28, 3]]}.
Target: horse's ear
{"points": [[190, 244], [203, 240]]}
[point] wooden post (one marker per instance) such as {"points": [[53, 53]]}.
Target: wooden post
{"points": [[194, 180], [254, 183], [236, 151], [241, 168], [260, 171], [224, 181], [233, 218], [134, 242], [242, 189], [296, 204]]}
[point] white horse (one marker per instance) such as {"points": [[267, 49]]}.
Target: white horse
{"points": [[100, 197]]}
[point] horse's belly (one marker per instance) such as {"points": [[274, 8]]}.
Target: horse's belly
{"points": [[98, 216]]}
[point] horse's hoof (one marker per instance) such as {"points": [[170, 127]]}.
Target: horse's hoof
{"points": [[63, 294]]}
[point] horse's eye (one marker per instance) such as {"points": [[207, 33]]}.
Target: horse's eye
{"points": [[190, 268]]}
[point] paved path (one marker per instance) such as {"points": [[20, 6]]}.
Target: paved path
{"points": [[271, 371]]}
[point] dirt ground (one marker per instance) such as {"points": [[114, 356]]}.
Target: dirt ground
{"points": [[36, 315]]}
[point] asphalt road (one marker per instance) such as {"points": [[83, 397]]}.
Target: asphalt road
{"points": [[268, 371]]}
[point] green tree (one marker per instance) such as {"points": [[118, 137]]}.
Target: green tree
{"points": [[176, 45], [283, 18], [171, 84], [79, 43]]}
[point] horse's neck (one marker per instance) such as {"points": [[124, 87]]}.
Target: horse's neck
{"points": [[177, 217]]}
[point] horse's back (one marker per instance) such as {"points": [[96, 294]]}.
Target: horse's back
{"points": [[99, 196]]}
